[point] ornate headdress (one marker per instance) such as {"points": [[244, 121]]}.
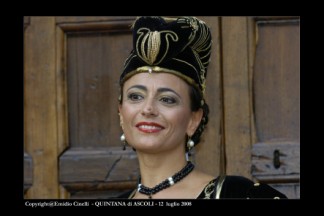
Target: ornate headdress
{"points": [[180, 46]]}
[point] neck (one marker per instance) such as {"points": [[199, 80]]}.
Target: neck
{"points": [[175, 178], [156, 168]]}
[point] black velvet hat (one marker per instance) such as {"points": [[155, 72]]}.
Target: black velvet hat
{"points": [[180, 46]]}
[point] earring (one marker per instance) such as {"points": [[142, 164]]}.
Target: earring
{"points": [[190, 145], [123, 139]]}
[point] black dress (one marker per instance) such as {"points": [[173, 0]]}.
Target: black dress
{"points": [[231, 187]]}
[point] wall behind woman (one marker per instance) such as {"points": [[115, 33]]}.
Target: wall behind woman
{"points": [[71, 71]]}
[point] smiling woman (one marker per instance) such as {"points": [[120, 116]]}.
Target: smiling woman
{"points": [[155, 112], [163, 112]]}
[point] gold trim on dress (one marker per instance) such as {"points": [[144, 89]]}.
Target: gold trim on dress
{"points": [[132, 194], [219, 186]]}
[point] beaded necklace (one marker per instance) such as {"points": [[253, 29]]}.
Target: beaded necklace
{"points": [[167, 182]]}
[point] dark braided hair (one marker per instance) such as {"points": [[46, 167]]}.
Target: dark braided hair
{"points": [[196, 103]]}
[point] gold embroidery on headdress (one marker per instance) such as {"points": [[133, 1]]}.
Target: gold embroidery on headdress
{"points": [[153, 47], [148, 44]]}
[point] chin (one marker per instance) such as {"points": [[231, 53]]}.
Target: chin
{"points": [[146, 146]]}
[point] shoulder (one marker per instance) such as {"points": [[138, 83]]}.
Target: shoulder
{"points": [[241, 187], [238, 187], [209, 190]]}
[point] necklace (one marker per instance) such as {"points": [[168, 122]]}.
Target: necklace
{"points": [[167, 182]]}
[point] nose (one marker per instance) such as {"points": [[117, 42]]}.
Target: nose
{"points": [[149, 108]]}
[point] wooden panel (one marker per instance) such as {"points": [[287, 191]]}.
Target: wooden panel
{"points": [[236, 95], [98, 173], [61, 91], [28, 171], [94, 19], [275, 18], [277, 82], [94, 64], [98, 165], [276, 104], [276, 162], [95, 24], [95, 166], [40, 120], [208, 154]]}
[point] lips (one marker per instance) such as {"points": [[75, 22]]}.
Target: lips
{"points": [[149, 127]]}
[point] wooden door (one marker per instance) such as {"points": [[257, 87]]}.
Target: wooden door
{"points": [[72, 66], [276, 103], [261, 75]]}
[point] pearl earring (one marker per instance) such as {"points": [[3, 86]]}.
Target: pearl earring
{"points": [[123, 139], [190, 145]]}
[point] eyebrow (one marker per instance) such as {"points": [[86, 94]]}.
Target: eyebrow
{"points": [[138, 86], [160, 90]]}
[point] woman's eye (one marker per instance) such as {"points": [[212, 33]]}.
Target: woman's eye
{"points": [[168, 100], [134, 97]]}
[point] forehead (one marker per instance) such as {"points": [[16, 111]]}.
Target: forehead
{"points": [[157, 80]]}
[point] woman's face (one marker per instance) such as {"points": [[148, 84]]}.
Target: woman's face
{"points": [[155, 112]]}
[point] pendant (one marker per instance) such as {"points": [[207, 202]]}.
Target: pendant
{"points": [[150, 196]]}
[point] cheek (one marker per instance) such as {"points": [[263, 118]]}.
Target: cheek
{"points": [[128, 113], [180, 119]]}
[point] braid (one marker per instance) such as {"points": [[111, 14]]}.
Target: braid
{"points": [[196, 136], [196, 99]]}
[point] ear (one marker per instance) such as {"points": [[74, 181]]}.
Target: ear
{"points": [[194, 121], [120, 115], [119, 108]]}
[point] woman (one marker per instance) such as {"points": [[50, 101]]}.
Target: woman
{"points": [[163, 112]]}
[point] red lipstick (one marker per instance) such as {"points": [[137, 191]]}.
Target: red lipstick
{"points": [[149, 127]]}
